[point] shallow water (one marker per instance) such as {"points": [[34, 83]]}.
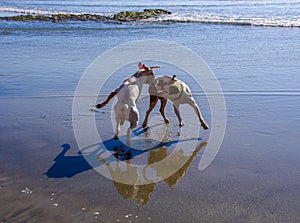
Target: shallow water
{"points": [[255, 176]]}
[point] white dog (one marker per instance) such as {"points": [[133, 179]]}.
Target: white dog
{"points": [[128, 94]]}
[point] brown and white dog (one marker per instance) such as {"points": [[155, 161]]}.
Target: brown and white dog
{"points": [[160, 88], [178, 92]]}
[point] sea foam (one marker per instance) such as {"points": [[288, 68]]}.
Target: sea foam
{"points": [[229, 20], [31, 11]]}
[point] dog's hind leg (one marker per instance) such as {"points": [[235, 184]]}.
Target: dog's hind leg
{"points": [[133, 124], [153, 102], [128, 141], [192, 103], [163, 102], [117, 128], [133, 119]]}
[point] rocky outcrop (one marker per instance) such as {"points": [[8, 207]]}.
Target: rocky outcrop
{"points": [[125, 16], [57, 17], [135, 16]]}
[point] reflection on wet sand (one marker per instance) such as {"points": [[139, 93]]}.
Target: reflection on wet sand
{"points": [[142, 191], [132, 181], [174, 179]]}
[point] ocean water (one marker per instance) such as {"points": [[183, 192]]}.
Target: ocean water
{"points": [[252, 47], [229, 35]]}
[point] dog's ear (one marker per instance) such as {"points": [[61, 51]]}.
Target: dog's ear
{"points": [[142, 66]]}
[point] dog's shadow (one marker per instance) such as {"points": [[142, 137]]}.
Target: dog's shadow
{"points": [[122, 152], [69, 166]]}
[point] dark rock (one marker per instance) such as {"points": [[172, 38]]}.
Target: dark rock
{"points": [[119, 17], [135, 16]]}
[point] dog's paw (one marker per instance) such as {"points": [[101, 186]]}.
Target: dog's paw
{"points": [[167, 121], [205, 126]]}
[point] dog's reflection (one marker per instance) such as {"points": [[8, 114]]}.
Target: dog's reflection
{"points": [[139, 190]]}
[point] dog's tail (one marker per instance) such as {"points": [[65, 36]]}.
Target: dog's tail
{"points": [[110, 96], [155, 66]]}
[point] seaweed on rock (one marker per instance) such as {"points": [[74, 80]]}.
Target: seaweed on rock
{"points": [[121, 16], [134, 16]]}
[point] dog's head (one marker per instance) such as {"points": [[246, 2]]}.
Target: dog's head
{"points": [[147, 72]]}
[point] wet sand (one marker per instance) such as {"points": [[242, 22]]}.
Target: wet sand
{"points": [[254, 178]]}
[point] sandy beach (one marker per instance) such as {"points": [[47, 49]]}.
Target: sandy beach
{"points": [[247, 180], [255, 177]]}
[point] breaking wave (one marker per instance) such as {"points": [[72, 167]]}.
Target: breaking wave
{"points": [[33, 11], [233, 20]]}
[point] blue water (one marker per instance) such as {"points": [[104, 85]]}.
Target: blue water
{"points": [[45, 59], [55, 55], [196, 24]]}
